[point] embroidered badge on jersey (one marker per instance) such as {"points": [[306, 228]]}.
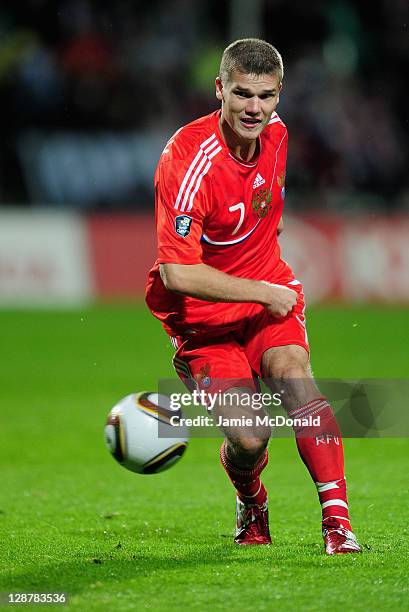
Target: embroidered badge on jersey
{"points": [[262, 203], [281, 179], [182, 225], [281, 183], [203, 377]]}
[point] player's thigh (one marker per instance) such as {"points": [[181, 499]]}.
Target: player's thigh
{"points": [[213, 364], [278, 350], [265, 332], [286, 370], [220, 367]]}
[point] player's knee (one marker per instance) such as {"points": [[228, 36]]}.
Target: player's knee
{"points": [[286, 362], [252, 447], [290, 366], [291, 369]]}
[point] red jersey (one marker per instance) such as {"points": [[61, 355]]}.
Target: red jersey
{"points": [[215, 209]]}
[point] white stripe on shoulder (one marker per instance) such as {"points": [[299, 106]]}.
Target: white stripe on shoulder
{"points": [[274, 119], [207, 150], [205, 157], [199, 180]]}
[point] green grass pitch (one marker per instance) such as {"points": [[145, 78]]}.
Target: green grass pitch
{"points": [[73, 520]]}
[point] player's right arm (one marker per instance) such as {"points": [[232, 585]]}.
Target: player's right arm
{"points": [[206, 283]]}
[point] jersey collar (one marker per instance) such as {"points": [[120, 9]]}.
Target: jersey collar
{"points": [[226, 149]]}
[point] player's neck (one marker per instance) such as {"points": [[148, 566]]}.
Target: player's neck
{"points": [[245, 151]]}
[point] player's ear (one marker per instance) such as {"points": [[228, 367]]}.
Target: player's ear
{"points": [[279, 92], [219, 88]]}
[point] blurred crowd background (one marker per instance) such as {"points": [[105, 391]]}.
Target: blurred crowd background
{"points": [[91, 90]]}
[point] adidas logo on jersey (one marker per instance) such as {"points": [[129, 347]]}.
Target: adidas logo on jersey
{"points": [[258, 181]]}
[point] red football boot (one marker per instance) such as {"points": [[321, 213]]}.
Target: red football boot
{"points": [[252, 524], [337, 539]]}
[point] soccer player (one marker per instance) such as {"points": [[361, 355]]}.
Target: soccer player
{"points": [[231, 305]]}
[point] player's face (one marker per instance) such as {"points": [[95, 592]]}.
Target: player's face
{"points": [[248, 101]]}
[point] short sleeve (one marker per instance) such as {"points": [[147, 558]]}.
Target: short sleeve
{"points": [[181, 204]]}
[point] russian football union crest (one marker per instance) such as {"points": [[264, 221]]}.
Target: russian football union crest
{"points": [[262, 202], [203, 376], [182, 225]]}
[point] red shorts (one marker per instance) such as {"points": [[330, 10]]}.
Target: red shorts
{"points": [[234, 357]]}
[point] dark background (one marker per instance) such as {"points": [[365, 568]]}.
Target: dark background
{"points": [[90, 92]]}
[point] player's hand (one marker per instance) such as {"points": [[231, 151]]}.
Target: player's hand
{"points": [[281, 300]]}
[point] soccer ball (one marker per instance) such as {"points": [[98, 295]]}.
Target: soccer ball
{"points": [[139, 435]]}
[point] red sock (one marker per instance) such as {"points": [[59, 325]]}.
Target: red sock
{"points": [[248, 485], [334, 503], [323, 455]]}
